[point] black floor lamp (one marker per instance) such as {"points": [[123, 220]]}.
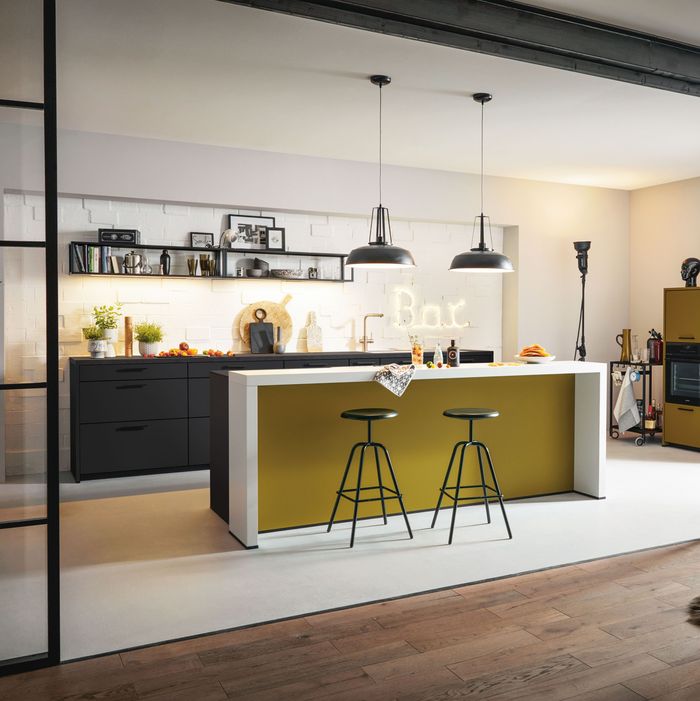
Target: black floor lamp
{"points": [[582, 248]]}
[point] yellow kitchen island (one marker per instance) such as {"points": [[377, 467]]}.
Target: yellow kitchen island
{"points": [[279, 437]]}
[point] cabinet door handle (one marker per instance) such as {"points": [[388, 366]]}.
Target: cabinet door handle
{"points": [[316, 365], [687, 338], [130, 387], [684, 408], [129, 369], [133, 428], [233, 367]]}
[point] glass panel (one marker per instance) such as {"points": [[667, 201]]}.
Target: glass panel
{"points": [[22, 156], [685, 380], [21, 50], [23, 592], [23, 455], [22, 315]]}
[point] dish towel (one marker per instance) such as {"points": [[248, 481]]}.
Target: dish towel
{"points": [[626, 412], [395, 378]]}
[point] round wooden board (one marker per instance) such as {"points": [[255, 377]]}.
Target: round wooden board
{"points": [[277, 315]]}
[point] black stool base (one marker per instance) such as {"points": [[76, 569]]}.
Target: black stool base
{"points": [[488, 492], [354, 494]]}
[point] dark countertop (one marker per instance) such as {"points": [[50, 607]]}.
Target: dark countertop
{"points": [[265, 356]]}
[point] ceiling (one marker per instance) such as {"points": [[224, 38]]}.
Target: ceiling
{"points": [[209, 72], [674, 19]]}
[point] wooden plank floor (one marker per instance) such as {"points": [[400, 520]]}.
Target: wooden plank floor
{"points": [[609, 630]]}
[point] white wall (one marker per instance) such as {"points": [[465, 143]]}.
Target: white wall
{"points": [[664, 231], [548, 216]]}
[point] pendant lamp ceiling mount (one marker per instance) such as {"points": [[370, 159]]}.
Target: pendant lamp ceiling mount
{"points": [[482, 97], [380, 80]]}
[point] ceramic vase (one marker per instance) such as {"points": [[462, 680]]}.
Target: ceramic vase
{"points": [[148, 348], [110, 336], [97, 347]]}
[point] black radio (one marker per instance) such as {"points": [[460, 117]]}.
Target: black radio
{"points": [[118, 236]]}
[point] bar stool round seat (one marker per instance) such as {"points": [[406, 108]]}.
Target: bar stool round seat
{"points": [[460, 492], [470, 414], [379, 491], [369, 414]]}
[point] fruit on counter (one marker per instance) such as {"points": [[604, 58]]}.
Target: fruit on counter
{"points": [[184, 346], [218, 353], [534, 351], [430, 364]]}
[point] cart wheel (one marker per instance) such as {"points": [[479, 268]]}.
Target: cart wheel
{"points": [[639, 441], [614, 434]]}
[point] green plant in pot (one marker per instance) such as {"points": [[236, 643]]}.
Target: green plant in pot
{"points": [[97, 346], [107, 320], [149, 335]]}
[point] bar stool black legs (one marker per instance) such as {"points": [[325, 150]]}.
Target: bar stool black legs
{"points": [[487, 491], [354, 494]]}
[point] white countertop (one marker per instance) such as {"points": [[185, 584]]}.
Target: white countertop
{"points": [[314, 376]]}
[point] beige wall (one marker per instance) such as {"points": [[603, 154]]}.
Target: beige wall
{"points": [[664, 230]]}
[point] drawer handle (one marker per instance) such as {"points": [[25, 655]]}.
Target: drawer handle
{"points": [[686, 338], [233, 367], [316, 365], [684, 408], [132, 428], [130, 369], [130, 387]]}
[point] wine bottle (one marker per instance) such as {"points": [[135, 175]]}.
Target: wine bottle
{"points": [[650, 417], [453, 355]]}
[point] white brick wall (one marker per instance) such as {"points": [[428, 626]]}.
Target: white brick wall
{"points": [[205, 312]]}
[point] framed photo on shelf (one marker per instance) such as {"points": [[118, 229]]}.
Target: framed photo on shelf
{"points": [[249, 231], [275, 238], [201, 239]]}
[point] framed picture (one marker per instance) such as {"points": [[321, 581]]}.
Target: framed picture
{"points": [[201, 239], [275, 238], [249, 231]]}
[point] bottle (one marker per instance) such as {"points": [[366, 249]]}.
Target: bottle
{"points": [[650, 417], [437, 355], [165, 262], [453, 355], [659, 418]]}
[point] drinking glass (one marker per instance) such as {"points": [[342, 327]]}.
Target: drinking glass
{"points": [[192, 263]]}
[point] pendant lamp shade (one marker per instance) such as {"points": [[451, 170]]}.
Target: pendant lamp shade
{"points": [[481, 258], [380, 252]]}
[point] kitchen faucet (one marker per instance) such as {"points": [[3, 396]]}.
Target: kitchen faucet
{"points": [[365, 340]]}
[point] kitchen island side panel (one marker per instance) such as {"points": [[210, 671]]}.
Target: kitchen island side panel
{"points": [[303, 443]]}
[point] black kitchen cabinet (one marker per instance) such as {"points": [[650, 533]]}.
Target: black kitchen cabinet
{"points": [[143, 415]]}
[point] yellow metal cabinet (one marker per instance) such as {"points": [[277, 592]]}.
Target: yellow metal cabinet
{"points": [[682, 315], [682, 425]]}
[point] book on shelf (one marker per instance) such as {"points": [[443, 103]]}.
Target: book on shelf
{"points": [[86, 258]]}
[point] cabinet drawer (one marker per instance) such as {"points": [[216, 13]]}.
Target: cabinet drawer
{"points": [[682, 315], [199, 441], [335, 363], [154, 370], [353, 362], [132, 400], [203, 368], [130, 446], [682, 425]]}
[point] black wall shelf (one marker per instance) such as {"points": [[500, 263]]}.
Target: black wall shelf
{"points": [[76, 249]]}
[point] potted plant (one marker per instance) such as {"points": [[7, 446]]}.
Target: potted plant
{"points": [[106, 319], [149, 335], [97, 346]]}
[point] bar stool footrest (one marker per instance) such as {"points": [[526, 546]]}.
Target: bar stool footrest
{"points": [[345, 492]]}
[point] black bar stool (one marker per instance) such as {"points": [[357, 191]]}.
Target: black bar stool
{"points": [[353, 493], [470, 415]]}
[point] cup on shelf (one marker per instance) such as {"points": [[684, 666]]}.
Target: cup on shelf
{"points": [[192, 264]]}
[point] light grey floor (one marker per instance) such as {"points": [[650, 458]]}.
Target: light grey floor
{"points": [[158, 566]]}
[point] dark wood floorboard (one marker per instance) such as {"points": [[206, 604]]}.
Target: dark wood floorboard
{"points": [[609, 630]]}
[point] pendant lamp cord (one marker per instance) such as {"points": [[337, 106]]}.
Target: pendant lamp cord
{"points": [[380, 145], [482, 159]]}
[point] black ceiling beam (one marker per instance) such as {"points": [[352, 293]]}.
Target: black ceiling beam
{"points": [[516, 31]]}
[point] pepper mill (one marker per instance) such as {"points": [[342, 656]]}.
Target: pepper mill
{"points": [[165, 262], [128, 336]]}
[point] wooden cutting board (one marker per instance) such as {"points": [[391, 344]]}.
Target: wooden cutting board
{"points": [[277, 315]]}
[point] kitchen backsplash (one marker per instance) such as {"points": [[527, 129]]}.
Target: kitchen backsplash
{"points": [[427, 301]]}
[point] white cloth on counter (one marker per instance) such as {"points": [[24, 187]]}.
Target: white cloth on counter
{"points": [[395, 378], [626, 412]]}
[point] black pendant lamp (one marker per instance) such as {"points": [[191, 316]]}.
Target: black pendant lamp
{"points": [[481, 259], [380, 252]]}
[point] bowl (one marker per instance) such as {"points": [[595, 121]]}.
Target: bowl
{"points": [[254, 272], [535, 358]]}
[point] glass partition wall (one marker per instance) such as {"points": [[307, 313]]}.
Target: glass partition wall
{"points": [[29, 543]]}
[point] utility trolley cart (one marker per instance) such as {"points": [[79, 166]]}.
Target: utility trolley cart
{"points": [[645, 371]]}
